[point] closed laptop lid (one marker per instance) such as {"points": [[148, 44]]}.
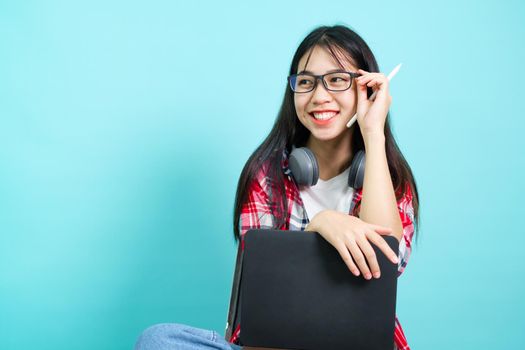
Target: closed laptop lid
{"points": [[297, 293]]}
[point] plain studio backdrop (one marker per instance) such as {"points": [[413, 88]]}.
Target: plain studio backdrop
{"points": [[124, 127]]}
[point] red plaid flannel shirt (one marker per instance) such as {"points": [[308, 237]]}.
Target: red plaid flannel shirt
{"points": [[256, 213]]}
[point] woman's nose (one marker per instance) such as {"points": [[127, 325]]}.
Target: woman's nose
{"points": [[320, 94]]}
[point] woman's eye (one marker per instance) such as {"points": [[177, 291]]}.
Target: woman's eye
{"points": [[304, 82]]}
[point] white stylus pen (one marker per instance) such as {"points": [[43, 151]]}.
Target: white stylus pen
{"points": [[373, 96]]}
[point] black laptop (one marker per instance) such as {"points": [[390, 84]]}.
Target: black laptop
{"points": [[292, 290]]}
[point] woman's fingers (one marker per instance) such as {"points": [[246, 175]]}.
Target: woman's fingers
{"points": [[366, 77], [362, 98], [359, 259], [354, 240], [382, 230], [377, 81], [382, 245], [370, 80], [370, 254], [343, 251]]}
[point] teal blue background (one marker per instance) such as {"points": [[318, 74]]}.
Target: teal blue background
{"points": [[118, 170]]}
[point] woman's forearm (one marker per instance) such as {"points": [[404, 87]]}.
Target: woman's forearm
{"points": [[378, 202]]}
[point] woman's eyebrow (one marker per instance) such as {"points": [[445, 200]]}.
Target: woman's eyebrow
{"points": [[330, 71]]}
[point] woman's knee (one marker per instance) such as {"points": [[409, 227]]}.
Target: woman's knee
{"points": [[158, 336]]}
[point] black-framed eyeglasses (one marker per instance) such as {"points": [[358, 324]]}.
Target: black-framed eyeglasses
{"points": [[336, 81]]}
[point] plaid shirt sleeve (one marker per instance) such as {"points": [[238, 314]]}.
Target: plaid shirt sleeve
{"points": [[256, 212], [406, 213]]}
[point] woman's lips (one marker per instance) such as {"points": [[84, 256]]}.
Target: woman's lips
{"points": [[325, 121]]}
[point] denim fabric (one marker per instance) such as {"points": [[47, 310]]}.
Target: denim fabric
{"points": [[175, 336]]}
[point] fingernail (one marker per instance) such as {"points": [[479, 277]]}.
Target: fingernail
{"points": [[377, 274], [368, 276]]}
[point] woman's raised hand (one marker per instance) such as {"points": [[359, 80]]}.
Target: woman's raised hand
{"points": [[351, 237], [371, 115]]}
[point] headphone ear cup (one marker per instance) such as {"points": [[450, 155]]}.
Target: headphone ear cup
{"points": [[357, 171], [304, 167]]}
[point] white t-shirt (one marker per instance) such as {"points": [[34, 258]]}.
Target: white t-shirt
{"points": [[334, 194]]}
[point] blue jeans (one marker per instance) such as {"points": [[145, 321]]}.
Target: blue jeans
{"points": [[175, 336]]}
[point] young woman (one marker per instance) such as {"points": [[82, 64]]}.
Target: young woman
{"points": [[332, 76]]}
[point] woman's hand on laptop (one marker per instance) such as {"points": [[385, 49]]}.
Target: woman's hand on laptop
{"points": [[351, 237]]}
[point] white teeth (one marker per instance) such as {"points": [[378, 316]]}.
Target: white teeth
{"points": [[324, 116]]}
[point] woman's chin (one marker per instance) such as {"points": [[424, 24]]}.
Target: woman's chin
{"points": [[327, 135]]}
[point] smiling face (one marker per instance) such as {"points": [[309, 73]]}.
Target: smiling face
{"points": [[325, 113]]}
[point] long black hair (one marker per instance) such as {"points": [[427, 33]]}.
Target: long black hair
{"points": [[287, 130]]}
